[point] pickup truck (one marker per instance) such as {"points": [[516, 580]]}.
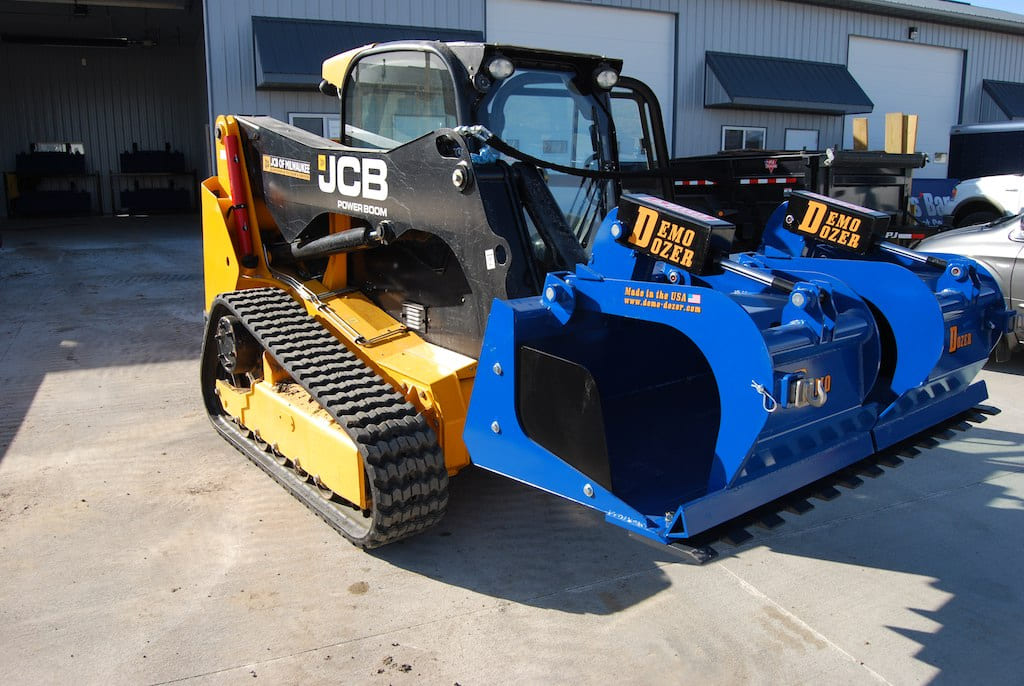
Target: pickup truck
{"points": [[989, 160]]}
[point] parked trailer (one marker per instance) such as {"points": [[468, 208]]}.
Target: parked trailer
{"points": [[745, 187]]}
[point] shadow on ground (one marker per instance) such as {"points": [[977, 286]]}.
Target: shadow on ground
{"points": [[75, 296], [507, 540], [964, 534]]}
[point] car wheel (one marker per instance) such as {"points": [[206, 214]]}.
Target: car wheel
{"points": [[978, 217]]}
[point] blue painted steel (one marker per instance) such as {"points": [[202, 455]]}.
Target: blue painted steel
{"points": [[696, 375], [944, 321]]}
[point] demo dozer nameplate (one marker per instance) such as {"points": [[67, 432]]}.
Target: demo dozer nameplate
{"points": [[842, 224], [669, 232]]}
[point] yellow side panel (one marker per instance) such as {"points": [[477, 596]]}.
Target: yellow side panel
{"points": [[437, 381], [220, 262], [302, 431]]}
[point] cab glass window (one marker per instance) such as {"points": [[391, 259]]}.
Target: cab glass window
{"points": [[395, 97]]}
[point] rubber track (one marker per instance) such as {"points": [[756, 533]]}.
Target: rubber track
{"points": [[405, 466]]}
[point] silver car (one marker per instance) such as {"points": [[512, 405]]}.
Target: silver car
{"points": [[999, 247]]}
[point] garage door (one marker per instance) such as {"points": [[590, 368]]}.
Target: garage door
{"points": [[645, 41], [910, 78]]}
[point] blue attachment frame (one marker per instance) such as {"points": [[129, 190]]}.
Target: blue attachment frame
{"points": [[669, 480], [945, 321], [756, 455]]}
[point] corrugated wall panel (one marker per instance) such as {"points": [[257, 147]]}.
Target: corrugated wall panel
{"points": [[230, 47], [783, 29], [760, 27], [116, 97]]}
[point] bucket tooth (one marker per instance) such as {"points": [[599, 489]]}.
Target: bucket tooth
{"points": [[961, 426], [889, 460], [850, 481], [926, 442], [976, 417], [945, 434], [737, 536], [987, 409], [908, 451], [768, 521], [872, 471], [693, 554], [826, 493], [799, 506]]}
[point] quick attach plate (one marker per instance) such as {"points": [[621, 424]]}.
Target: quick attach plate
{"points": [[834, 222], [671, 233]]}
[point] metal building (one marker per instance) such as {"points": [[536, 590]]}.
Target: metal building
{"points": [[778, 74]]}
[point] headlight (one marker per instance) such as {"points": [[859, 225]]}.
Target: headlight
{"points": [[500, 67], [605, 77]]}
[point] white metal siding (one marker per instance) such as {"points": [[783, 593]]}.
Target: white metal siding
{"points": [[755, 27], [796, 30], [900, 76], [230, 49]]}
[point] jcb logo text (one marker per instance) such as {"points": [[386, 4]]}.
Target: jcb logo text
{"points": [[353, 176]]}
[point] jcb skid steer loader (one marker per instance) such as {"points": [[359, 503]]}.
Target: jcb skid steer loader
{"points": [[461, 279]]}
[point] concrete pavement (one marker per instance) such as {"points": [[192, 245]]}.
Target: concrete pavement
{"points": [[136, 546]]}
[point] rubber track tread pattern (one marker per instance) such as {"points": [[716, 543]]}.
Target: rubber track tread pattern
{"points": [[405, 466]]}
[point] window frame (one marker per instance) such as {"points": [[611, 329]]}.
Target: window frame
{"points": [[324, 116], [450, 63], [744, 129]]}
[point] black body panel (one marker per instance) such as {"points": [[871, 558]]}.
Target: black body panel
{"points": [[452, 250]]}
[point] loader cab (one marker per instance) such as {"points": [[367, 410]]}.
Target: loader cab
{"points": [[555, 107]]}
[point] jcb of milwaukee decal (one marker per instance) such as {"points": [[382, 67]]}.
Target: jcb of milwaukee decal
{"points": [[353, 176], [835, 222], [666, 231], [958, 340], [284, 166]]}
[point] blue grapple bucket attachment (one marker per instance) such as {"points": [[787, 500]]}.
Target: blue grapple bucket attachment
{"points": [[675, 388], [939, 315]]}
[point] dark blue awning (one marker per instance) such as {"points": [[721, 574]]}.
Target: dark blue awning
{"points": [[290, 52], [1007, 95], [775, 83]]}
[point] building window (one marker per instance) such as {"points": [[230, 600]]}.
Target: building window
{"points": [[326, 125], [743, 137], [802, 139]]}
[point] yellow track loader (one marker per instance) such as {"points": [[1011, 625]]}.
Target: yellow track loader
{"points": [[470, 276]]}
